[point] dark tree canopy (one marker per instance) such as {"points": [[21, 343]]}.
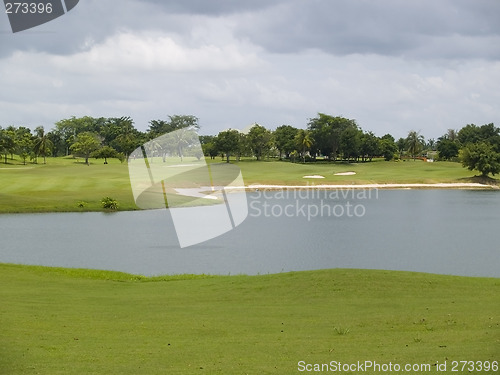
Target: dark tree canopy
{"points": [[481, 157], [228, 142], [447, 149]]}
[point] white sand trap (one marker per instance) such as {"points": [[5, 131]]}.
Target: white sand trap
{"points": [[345, 174], [314, 176]]}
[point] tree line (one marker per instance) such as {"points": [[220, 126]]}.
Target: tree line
{"points": [[325, 137]]}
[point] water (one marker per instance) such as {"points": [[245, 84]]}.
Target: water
{"points": [[437, 231]]}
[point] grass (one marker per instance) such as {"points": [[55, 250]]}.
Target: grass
{"points": [[66, 184], [378, 171], [62, 185], [61, 321]]}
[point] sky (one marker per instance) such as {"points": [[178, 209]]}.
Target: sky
{"points": [[392, 65]]}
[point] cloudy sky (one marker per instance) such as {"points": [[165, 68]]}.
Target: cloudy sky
{"points": [[393, 65]]}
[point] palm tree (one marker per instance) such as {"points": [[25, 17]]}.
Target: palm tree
{"points": [[43, 145], [415, 142], [303, 141], [129, 139], [154, 149]]}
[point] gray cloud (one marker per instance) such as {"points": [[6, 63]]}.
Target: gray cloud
{"points": [[424, 28], [393, 65], [388, 27], [214, 7]]}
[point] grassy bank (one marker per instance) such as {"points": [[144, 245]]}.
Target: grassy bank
{"points": [[61, 184], [58, 321], [64, 183]]}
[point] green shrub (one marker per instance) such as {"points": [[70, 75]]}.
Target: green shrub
{"points": [[81, 204], [109, 203]]}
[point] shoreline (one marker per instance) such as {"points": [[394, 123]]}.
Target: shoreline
{"points": [[388, 186], [271, 187]]}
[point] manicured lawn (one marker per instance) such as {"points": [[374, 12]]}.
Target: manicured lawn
{"points": [[379, 171], [60, 321], [62, 183]]}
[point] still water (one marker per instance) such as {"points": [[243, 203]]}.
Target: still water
{"points": [[437, 231]]}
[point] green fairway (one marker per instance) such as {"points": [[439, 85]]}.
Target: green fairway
{"points": [[61, 184], [60, 321], [66, 184], [378, 171]]}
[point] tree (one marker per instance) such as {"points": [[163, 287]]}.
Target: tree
{"points": [[24, 143], [387, 147], [488, 132], [42, 145], [431, 144], [243, 147], [181, 139], [284, 139], [481, 157], [350, 142], [370, 146], [227, 142], [259, 140], [155, 148], [470, 133], [303, 141], [208, 145], [401, 145], [447, 149], [129, 137], [451, 135], [326, 131], [68, 129], [175, 122], [59, 144], [85, 143], [184, 121], [209, 149], [7, 143], [10, 132], [105, 152], [415, 143]]}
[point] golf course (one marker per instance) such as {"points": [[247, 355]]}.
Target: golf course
{"points": [[67, 184], [80, 321]]}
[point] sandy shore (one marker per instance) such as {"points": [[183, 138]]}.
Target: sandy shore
{"points": [[369, 186]]}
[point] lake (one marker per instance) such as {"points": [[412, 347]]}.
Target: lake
{"points": [[437, 231]]}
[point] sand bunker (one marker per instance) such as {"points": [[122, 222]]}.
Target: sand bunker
{"points": [[345, 173], [314, 176], [466, 185]]}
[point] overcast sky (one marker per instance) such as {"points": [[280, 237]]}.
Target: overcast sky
{"points": [[393, 65]]}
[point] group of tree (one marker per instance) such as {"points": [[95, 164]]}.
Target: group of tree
{"points": [[477, 147], [21, 141], [86, 137], [325, 137], [338, 138]]}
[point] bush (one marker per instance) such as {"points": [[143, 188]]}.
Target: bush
{"points": [[109, 203], [81, 204]]}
